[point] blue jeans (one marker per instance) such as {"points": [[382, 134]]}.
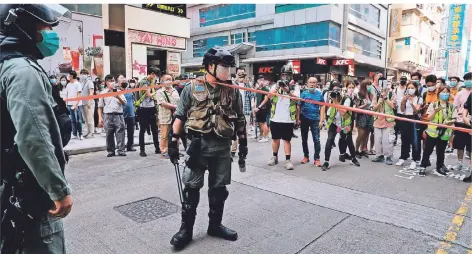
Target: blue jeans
{"points": [[76, 118], [313, 126]]}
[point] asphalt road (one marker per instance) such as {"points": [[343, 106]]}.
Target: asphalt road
{"points": [[131, 205]]}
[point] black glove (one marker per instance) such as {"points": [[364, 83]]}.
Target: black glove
{"points": [[173, 151], [243, 151]]}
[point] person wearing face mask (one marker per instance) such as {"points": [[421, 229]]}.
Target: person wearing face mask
{"points": [[416, 77], [441, 84], [410, 106], [440, 112], [247, 96], [88, 106], [454, 88], [384, 132], [167, 99], [308, 117], [430, 96], [35, 128], [128, 114], [339, 121], [211, 113], [110, 113], [63, 85], [462, 141], [363, 101], [74, 90], [398, 93], [262, 109]]}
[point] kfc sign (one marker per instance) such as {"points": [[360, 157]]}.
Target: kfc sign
{"points": [[321, 61], [338, 62], [265, 69], [295, 64]]}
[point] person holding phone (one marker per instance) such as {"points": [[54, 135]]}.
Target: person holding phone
{"points": [[441, 112]]}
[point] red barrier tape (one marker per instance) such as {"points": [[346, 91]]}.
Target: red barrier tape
{"points": [[363, 111]]}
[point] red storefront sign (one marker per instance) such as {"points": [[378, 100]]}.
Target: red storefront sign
{"points": [[265, 69], [337, 62], [296, 66], [321, 61]]}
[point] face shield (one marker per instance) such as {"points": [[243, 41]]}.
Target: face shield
{"points": [[223, 73], [54, 15]]}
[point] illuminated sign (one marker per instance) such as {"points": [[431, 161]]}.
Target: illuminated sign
{"points": [[321, 61], [337, 62], [174, 9], [265, 69]]}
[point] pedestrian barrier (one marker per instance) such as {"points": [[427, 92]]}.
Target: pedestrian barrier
{"points": [[363, 111]]}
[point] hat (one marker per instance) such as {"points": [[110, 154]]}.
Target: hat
{"points": [[403, 78], [260, 76]]}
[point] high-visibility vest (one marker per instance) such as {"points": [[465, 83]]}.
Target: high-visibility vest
{"points": [[346, 120], [433, 130], [293, 108]]}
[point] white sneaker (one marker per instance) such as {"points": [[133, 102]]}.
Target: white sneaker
{"points": [[288, 165], [74, 137], [400, 162], [81, 137], [263, 140], [458, 167], [273, 161], [413, 165]]}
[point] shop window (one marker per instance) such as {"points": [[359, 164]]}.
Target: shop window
{"points": [[201, 46], [281, 8], [300, 36], [93, 9], [238, 38], [366, 12], [362, 44], [218, 14]]}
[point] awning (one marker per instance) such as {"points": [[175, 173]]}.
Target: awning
{"points": [[291, 57], [239, 48]]}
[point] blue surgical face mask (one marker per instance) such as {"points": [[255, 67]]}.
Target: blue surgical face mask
{"points": [[52, 81], [311, 90], [50, 43], [453, 84], [468, 84], [444, 96]]}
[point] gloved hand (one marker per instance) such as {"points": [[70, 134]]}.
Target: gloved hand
{"points": [[243, 151], [173, 151]]}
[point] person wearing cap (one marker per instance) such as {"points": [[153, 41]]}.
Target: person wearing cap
{"points": [[262, 109], [211, 113], [33, 132]]}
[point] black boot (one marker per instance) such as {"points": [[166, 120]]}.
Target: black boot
{"points": [[216, 199], [189, 211]]}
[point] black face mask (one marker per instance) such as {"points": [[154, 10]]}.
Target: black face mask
{"points": [[335, 94], [124, 85], [402, 82]]}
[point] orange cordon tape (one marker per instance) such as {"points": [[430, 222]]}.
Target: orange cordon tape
{"points": [[363, 111]]}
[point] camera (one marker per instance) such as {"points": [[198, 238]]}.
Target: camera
{"points": [[282, 83]]}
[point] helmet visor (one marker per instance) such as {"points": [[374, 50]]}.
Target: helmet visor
{"points": [[49, 14]]}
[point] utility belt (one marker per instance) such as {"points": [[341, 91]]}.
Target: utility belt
{"points": [[114, 114]]}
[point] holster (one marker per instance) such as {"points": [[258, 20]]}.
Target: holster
{"points": [[194, 151]]}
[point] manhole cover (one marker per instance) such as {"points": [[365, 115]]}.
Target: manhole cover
{"points": [[147, 210]]}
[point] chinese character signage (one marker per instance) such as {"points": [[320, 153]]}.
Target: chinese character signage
{"points": [[456, 24], [173, 9], [395, 22]]}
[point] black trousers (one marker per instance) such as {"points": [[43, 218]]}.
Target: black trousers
{"points": [[330, 142], [345, 141], [410, 137], [147, 118], [129, 121], [429, 145]]}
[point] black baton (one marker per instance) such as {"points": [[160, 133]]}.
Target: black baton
{"points": [[179, 182]]}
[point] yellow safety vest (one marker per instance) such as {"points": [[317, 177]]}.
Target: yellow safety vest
{"points": [[293, 108], [433, 130]]}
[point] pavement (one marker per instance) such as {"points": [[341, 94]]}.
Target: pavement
{"points": [[131, 205]]}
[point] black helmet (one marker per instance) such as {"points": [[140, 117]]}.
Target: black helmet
{"points": [[24, 17], [286, 69], [260, 76], [218, 55]]}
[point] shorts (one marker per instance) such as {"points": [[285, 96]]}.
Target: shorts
{"points": [[282, 131], [261, 116], [462, 140]]}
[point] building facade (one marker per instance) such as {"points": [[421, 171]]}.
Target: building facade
{"points": [[329, 41], [414, 42]]}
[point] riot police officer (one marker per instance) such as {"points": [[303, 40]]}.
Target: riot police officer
{"points": [[211, 114], [35, 193]]}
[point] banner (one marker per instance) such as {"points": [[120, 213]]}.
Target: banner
{"points": [[455, 26], [467, 57], [173, 63], [395, 22]]}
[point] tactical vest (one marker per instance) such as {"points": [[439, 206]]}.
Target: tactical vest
{"points": [[433, 130], [211, 114], [346, 120], [293, 108]]}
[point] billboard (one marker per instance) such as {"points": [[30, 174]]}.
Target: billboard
{"points": [[81, 47], [455, 26]]}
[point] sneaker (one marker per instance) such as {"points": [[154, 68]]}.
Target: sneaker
{"points": [[157, 151], [142, 154], [325, 166], [288, 165], [74, 137], [442, 171], [364, 154], [422, 172], [165, 156], [355, 162], [379, 158], [449, 150], [412, 165], [389, 161], [468, 179], [81, 137], [400, 162], [458, 167], [233, 154], [263, 140], [305, 160], [358, 155], [342, 158], [273, 161], [318, 163], [111, 154], [121, 153]]}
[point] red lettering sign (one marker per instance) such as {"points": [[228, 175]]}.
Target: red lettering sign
{"points": [[158, 40], [321, 61], [296, 66], [337, 62], [265, 69]]}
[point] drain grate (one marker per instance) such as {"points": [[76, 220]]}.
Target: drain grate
{"points": [[147, 210]]}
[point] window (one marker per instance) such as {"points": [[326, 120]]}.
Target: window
{"points": [[238, 38], [366, 12], [280, 8], [362, 44], [300, 36], [251, 36], [93, 9], [201, 46], [218, 14]]}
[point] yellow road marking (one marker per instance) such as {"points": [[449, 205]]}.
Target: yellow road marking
{"points": [[456, 225]]}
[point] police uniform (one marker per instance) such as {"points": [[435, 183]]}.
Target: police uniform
{"points": [[33, 175], [211, 115]]}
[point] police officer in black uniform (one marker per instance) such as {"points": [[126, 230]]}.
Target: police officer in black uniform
{"points": [[211, 113], [35, 194]]}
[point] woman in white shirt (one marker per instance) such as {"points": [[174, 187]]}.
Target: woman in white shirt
{"points": [[410, 106]]}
